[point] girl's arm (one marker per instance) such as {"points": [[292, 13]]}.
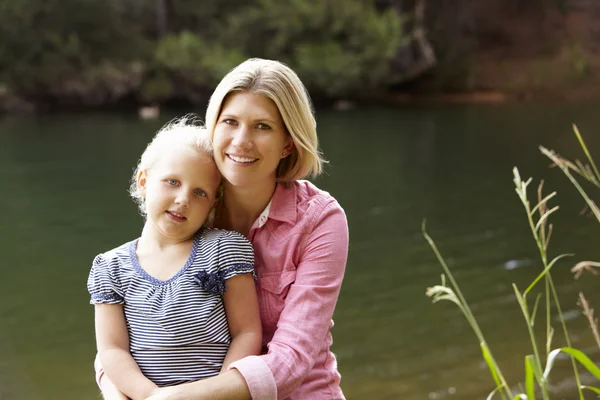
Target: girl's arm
{"points": [[119, 366], [110, 391], [243, 318], [230, 385]]}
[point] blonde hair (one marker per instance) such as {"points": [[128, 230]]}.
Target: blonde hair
{"points": [[186, 131], [279, 83]]}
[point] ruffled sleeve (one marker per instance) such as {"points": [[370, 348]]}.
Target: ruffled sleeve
{"points": [[103, 283], [235, 257]]}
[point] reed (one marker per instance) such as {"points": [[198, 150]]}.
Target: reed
{"points": [[538, 365]]}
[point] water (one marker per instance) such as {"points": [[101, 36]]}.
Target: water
{"points": [[64, 180]]}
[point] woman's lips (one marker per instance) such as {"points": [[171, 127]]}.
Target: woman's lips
{"points": [[241, 159]]}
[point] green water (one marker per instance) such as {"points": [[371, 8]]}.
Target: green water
{"points": [[64, 199]]}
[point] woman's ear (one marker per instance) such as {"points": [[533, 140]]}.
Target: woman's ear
{"points": [[288, 148], [142, 179]]}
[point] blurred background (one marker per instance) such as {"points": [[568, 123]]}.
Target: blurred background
{"points": [[423, 109]]}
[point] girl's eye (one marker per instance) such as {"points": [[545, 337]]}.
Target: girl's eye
{"points": [[172, 182], [230, 121], [200, 192], [263, 126]]}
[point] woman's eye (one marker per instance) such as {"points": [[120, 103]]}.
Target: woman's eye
{"points": [[200, 192], [172, 182], [263, 126], [230, 121]]}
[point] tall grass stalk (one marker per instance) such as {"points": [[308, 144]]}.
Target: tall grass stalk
{"points": [[542, 240], [454, 294]]}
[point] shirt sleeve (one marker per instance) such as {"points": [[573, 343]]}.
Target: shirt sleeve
{"points": [[103, 284], [306, 317], [236, 255]]}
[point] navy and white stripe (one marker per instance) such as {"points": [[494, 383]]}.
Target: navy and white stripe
{"points": [[177, 329]]}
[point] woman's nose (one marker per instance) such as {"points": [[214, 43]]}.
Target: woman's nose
{"points": [[242, 137]]}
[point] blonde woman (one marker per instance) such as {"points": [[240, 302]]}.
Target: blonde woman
{"points": [[265, 143]]}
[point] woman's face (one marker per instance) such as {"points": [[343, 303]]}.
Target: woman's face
{"points": [[249, 140]]}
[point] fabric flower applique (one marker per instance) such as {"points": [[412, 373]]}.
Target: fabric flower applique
{"points": [[211, 282]]}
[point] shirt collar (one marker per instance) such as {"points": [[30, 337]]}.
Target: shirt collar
{"points": [[282, 205], [262, 218]]}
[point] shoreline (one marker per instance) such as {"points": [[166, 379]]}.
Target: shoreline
{"points": [[391, 99]]}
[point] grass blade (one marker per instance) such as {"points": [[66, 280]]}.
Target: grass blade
{"points": [[544, 272], [491, 395], [577, 355], [593, 389], [542, 202], [545, 217], [535, 308], [529, 377], [586, 151], [491, 365]]}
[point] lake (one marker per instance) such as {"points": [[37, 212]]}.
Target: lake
{"points": [[64, 195]]}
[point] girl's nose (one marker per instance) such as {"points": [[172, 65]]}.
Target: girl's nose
{"points": [[182, 198], [242, 137]]}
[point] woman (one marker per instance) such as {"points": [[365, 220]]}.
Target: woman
{"points": [[265, 142]]}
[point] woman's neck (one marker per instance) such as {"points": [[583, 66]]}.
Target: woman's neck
{"points": [[242, 206]]}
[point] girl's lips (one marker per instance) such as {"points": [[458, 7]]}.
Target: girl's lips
{"points": [[175, 216]]}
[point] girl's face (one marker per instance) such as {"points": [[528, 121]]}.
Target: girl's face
{"points": [[249, 140], [179, 190]]}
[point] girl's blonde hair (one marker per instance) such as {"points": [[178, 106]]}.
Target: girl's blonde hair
{"points": [[279, 83], [186, 131]]}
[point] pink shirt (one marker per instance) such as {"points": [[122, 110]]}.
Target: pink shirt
{"points": [[301, 246]]}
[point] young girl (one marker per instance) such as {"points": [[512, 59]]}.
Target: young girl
{"points": [[179, 303]]}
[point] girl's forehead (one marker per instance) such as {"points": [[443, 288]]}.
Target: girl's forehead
{"points": [[182, 154]]}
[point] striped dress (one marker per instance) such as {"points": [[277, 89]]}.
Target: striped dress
{"points": [[177, 328]]}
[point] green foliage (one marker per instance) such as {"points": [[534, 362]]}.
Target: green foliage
{"points": [[156, 88], [196, 60], [56, 48], [45, 42], [337, 47]]}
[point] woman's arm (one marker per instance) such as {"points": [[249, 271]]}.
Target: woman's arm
{"points": [[303, 326], [119, 366], [243, 318]]}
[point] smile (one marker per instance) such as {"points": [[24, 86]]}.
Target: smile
{"points": [[241, 159], [175, 216]]}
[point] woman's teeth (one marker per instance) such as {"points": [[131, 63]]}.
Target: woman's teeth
{"points": [[242, 159]]}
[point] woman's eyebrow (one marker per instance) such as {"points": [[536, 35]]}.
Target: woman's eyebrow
{"points": [[266, 119]]}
